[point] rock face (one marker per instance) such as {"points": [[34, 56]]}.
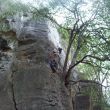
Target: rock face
{"points": [[30, 83], [87, 95], [5, 62], [82, 102]]}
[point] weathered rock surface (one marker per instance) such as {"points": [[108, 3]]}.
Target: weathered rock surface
{"points": [[5, 99], [30, 83]]}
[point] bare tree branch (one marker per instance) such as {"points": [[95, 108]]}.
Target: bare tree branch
{"points": [[71, 39], [88, 81], [105, 76], [95, 57]]}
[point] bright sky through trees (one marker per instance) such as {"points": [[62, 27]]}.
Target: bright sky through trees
{"points": [[60, 16]]}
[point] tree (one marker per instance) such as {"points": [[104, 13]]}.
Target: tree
{"points": [[87, 35]]}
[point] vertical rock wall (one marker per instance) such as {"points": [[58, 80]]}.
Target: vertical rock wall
{"points": [[30, 84]]}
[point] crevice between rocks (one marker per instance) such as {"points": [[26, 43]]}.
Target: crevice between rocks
{"points": [[13, 93]]}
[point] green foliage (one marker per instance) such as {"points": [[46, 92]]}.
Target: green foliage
{"points": [[64, 33], [40, 13], [8, 9], [96, 38], [4, 27]]}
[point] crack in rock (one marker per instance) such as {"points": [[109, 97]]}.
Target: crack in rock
{"points": [[13, 93]]}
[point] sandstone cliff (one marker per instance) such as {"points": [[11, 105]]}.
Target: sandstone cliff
{"points": [[29, 83]]}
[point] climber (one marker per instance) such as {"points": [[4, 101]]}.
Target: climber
{"points": [[54, 60], [54, 66], [4, 45], [60, 50]]}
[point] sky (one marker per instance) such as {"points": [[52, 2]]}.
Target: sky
{"points": [[60, 16], [34, 2]]}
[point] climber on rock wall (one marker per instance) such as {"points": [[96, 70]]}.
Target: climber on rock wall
{"points": [[54, 59]]}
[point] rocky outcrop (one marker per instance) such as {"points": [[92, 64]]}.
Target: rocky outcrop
{"points": [[5, 63], [87, 95], [30, 83]]}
